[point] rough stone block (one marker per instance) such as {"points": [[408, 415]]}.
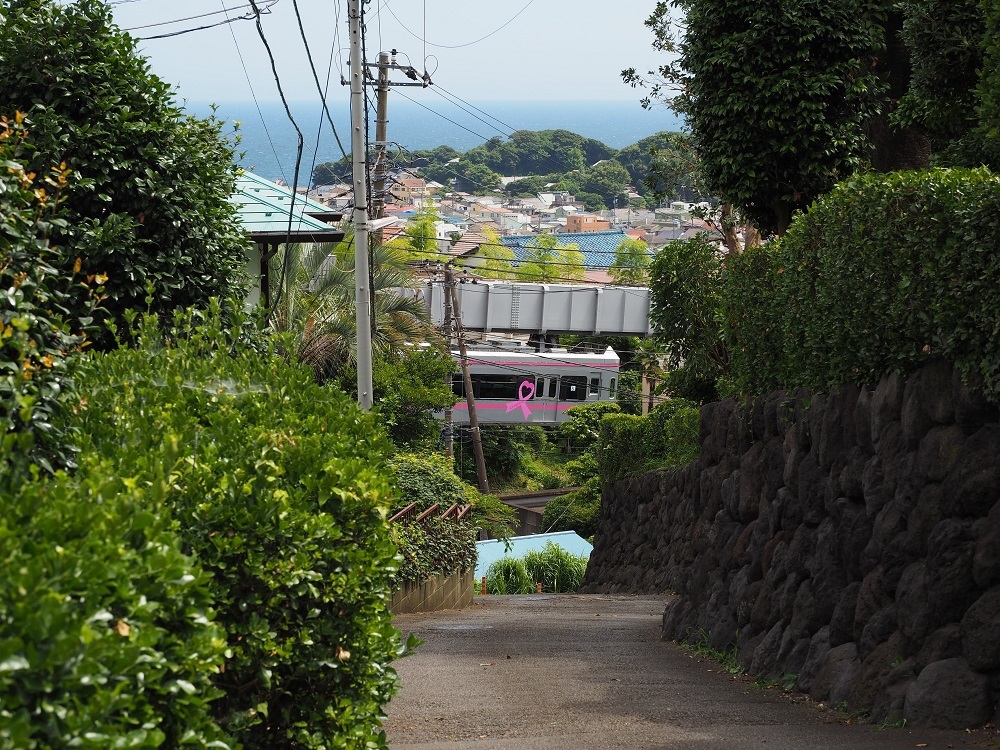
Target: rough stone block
{"points": [[949, 695], [833, 680], [973, 485], [874, 668], [981, 632], [986, 560], [819, 644]]}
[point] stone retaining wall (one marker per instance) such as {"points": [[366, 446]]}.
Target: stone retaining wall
{"points": [[850, 538]]}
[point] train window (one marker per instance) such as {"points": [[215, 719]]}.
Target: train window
{"points": [[499, 387], [539, 388], [458, 385], [595, 386], [573, 388], [611, 389], [552, 387]]}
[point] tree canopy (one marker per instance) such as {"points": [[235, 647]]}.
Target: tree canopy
{"points": [[546, 260], [148, 196], [784, 101]]}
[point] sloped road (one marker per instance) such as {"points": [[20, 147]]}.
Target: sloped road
{"points": [[584, 671]]}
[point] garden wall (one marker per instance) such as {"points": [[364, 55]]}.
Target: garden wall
{"points": [[454, 591], [850, 538]]}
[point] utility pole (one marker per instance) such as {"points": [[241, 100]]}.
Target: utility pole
{"points": [[381, 127], [477, 440], [449, 442], [359, 148]]}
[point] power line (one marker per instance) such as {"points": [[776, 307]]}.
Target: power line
{"points": [[253, 94], [456, 46]]}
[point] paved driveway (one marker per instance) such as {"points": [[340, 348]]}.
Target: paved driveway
{"points": [[586, 671]]}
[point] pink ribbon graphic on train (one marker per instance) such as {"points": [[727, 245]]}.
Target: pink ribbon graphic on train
{"points": [[525, 391]]}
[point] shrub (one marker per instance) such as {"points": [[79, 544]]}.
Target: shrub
{"points": [[576, 511], [556, 569], [584, 424], [666, 438], [435, 545], [280, 490], [35, 340], [508, 576], [880, 274], [426, 479], [106, 637], [150, 189]]}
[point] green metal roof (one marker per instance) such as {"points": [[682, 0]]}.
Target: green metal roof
{"points": [[263, 207]]}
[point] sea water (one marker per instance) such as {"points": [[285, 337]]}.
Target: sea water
{"points": [[424, 120]]}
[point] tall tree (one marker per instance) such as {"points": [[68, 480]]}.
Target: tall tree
{"points": [[494, 260], [545, 260], [775, 94], [631, 266], [148, 199]]}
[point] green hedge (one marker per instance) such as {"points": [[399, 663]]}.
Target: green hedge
{"points": [[35, 338], [666, 438], [434, 546], [278, 487], [106, 638], [883, 272]]}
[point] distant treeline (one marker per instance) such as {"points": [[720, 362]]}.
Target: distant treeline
{"points": [[553, 160]]}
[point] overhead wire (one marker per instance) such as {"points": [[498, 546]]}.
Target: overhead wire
{"points": [[455, 46], [253, 94]]}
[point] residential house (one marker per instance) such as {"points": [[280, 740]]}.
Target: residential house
{"points": [[409, 190], [586, 223]]}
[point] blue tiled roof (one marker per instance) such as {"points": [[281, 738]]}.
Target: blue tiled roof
{"points": [[598, 248]]}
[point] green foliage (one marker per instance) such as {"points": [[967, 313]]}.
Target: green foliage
{"points": [[410, 386], [576, 511], [608, 180], [545, 260], [943, 37], [988, 89], [106, 632], [529, 152], [278, 487], [508, 575], [631, 266], [506, 448], [428, 478], [776, 97], [421, 235], [35, 340], [685, 299], [666, 438], [149, 196], [434, 546], [493, 260], [584, 424], [556, 569], [883, 273]]}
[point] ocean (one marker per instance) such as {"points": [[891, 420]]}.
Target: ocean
{"points": [[269, 141]]}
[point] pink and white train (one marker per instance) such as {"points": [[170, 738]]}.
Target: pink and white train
{"points": [[526, 387]]}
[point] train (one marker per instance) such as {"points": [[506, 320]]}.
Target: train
{"points": [[526, 387]]}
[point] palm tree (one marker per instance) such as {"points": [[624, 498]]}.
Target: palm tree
{"points": [[317, 303]]}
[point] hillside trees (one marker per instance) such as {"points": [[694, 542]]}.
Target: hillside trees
{"points": [[148, 197], [631, 266]]}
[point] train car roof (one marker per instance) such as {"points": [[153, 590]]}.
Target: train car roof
{"points": [[556, 356]]}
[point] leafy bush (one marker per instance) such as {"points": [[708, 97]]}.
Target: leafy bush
{"points": [[685, 300], [280, 491], [35, 340], [664, 439], [149, 196], [507, 449], [584, 424], [556, 569], [426, 479], [434, 546], [882, 273], [106, 637], [576, 511], [508, 575]]}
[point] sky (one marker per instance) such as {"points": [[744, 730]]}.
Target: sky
{"points": [[479, 50]]}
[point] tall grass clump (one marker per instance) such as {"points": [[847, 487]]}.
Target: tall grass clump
{"points": [[557, 570]]}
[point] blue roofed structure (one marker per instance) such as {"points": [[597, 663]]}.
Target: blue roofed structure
{"points": [[598, 248], [491, 550]]}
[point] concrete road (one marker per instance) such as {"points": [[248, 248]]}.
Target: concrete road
{"points": [[581, 672]]}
